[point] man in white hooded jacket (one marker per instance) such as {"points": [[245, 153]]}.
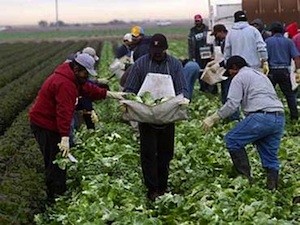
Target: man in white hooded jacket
{"points": [[246, 41]]}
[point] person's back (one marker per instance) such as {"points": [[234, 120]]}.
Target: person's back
{"points": [[246, 41], [280, 49]]}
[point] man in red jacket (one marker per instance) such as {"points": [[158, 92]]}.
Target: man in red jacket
{"points": [[52, 112]]}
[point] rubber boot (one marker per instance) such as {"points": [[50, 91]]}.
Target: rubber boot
{"points": [[272, 179], [241, 163]]}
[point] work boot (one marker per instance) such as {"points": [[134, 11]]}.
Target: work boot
{"points": [[241, 163], [272, 179]]}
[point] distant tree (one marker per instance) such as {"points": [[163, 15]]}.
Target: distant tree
{"points": [[43, 23]]}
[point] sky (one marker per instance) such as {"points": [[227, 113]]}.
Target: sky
{"points": [[30, 12]]}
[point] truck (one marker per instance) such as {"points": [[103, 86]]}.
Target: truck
{"points": [[285, 11]]}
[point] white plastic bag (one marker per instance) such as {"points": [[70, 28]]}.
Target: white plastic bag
{"points": [[211, 77]]}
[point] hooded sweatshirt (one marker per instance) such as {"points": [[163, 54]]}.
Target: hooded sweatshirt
{"points": [[246, 41], [261, 28], [54, 106]]}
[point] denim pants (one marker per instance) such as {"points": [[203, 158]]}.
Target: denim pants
{"points": [[191, 72], [263, 130], [282, 78]]}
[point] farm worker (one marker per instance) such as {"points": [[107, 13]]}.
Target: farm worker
{"points": [[263, 124], [220, 33], [123, 57], [292, 29], [140, 42], [281, 51], [191, 71], [125, 48], [199, 50], [52, 112], [84, 106], [260, 26], [156, 141], [246, 41]]}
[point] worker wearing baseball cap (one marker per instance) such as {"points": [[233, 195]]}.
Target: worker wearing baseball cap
{"points": [[199, 50], [156, 140], [140, 42]]}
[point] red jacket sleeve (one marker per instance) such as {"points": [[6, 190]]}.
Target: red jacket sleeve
{"points": [[93, 92], [66, 99]]}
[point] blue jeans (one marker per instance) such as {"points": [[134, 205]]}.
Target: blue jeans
{"points": [[191, 73], [263, 130]]}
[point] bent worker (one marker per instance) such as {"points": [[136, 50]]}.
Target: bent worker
{"points": [[263, 124]]}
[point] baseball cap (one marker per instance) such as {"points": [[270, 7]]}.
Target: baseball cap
{"points": [[91, 52], [198, 17], [276, 27], [87, 61], [127, 37], [218, 28], [158, 43], [240, 16], [137, 31]]}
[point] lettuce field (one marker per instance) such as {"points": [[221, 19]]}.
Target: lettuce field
{"points": [[105, 186]]}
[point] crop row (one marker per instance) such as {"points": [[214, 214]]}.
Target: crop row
{"points": [[106, 186], [21, 165]]}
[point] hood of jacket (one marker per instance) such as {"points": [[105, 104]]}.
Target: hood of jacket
{"points": [[240, 25], [65, 71]]}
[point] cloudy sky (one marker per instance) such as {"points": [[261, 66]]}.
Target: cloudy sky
{"points": [[29, 12]]}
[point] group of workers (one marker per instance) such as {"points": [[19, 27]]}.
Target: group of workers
{"points": [[253, 66]]}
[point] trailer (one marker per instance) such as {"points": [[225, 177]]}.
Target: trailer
{"points": [[286, 11]]}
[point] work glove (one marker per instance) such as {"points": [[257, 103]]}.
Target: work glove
{"points": [[102, 81], [297, 76], [209, 121], [94, 117], [116, 95], [184, 102], [265, 68], [64, 146]]}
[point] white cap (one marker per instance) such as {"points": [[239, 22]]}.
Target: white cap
{"points": [[91, 52], [127, 37], [87, 61]]}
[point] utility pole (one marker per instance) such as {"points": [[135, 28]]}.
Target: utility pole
{"points": [[210, 15], [56, 13]]}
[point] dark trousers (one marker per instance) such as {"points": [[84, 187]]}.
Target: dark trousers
{"points": [[282, 78], [55, 177], [157, 150]]}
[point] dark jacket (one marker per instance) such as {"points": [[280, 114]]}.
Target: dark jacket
{"points": [[196, 39]]}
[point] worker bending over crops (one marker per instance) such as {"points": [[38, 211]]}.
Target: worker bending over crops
{"points": [[263, 124], [157, 140], [52, 112]]}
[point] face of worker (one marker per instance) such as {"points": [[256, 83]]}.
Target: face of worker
{"points": [[233, 71], [81, 75], [159, 56], [198, 23]]}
